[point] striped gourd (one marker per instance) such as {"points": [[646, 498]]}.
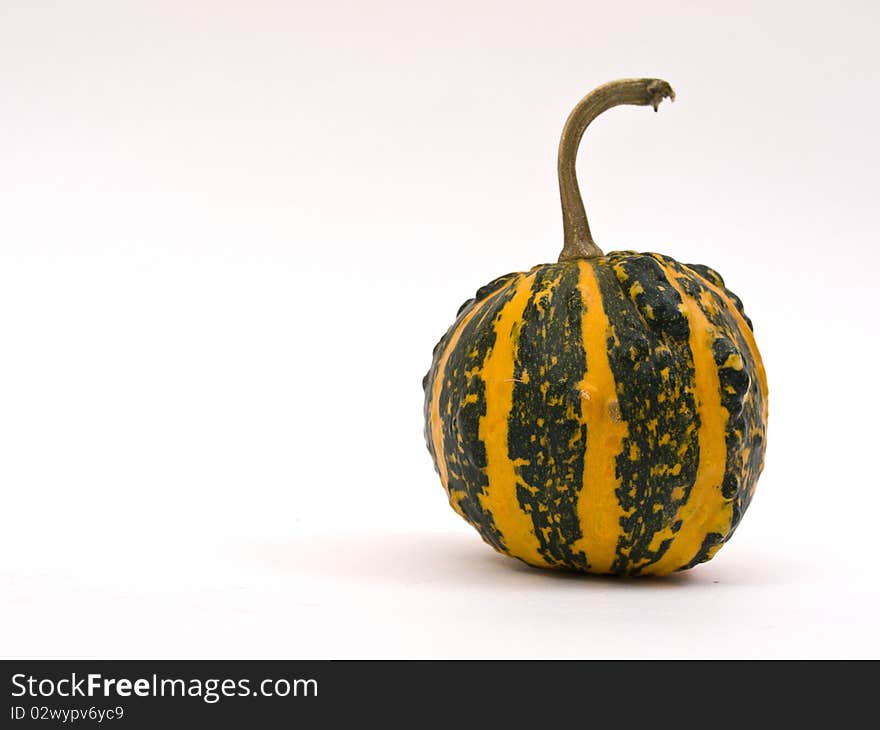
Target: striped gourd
{"points": [[606, 413]]}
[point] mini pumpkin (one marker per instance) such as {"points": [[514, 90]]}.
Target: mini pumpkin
{"points": [[605, 413]]}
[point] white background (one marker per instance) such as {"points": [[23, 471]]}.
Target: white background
{"points": [[231, 233]]}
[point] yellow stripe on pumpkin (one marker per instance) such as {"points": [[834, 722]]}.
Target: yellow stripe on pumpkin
{"points": [[514, 524], [599, 510]]}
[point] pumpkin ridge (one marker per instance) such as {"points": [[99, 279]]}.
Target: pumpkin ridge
{"points": [[462, 403], [707, 511], [739, 374], [546, 435], [433, 385], [598, 508], [653, 368], [499, 497]]}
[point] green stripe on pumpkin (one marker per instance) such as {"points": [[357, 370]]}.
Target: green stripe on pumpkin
{"points": [[653, 367], [462, 404], [546, 436], [740, 394]]}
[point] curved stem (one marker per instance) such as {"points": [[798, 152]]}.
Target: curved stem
{"points": [[579, 242]]}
